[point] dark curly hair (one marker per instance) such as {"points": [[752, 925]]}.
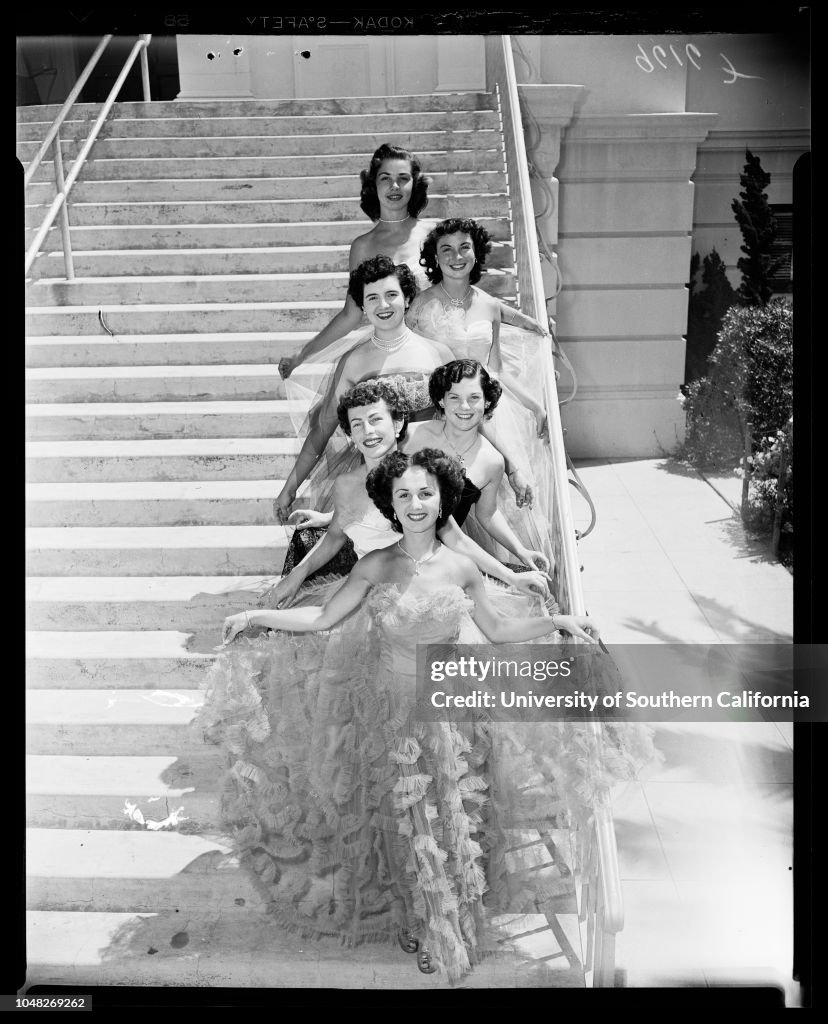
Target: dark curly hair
{"points": [[481, 239], [441, 379], [450, 476], [368, 199], [369, 391], [376, 269]]}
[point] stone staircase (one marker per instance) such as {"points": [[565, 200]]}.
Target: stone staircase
{"points": [[210, 239]]}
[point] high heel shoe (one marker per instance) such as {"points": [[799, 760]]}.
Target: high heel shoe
{"points": [[424, 962], [408, 944]]}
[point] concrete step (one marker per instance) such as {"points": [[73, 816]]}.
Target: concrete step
{"points": [[209, 236], [173, 503], [118, 871], [115, 659], [156, 551], [296, 126], [418, 142], [262, 211], [193, 603], [267, 165], [314, 259], [45, 114], [185, 317], [190, 458], [107, 421], [247, 382], [237, 348], [85, 949], [210, 288], [95, 792], [218, 188], [84, 723]]}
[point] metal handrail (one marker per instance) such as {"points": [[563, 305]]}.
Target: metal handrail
{"points": [[64, 110], [609, 918], [53, 137]]}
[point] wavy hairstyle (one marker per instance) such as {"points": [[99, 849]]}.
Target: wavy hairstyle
{"points": [[481, 239], [450, 476], [369, 391], [375, 269], [368, 199], [441, 380]]}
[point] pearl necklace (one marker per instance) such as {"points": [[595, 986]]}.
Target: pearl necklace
{"points": [[418, 561], [459, 455], [401, 220], [455, 303], [393, 344]]}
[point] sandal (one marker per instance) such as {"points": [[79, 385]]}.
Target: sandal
{"points": [[408, 944], [424, 962]]}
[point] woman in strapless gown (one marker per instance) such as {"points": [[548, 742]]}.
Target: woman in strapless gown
{"points": [[359, 819], [478, 326]]}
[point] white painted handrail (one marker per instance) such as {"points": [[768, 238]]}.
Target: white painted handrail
{"points": [[599, 847], [63, 192]]}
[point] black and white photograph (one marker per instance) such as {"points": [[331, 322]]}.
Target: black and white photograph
{"points": [[409, 507]]}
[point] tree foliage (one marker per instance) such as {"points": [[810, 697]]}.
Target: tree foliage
{"points": [[758, 226]]}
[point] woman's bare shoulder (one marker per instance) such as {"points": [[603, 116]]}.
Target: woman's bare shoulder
{"points": [[362, 248]]}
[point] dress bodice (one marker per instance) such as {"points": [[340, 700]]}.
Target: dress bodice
{"points": [[466, 340], [404, 621], [369, 530]]}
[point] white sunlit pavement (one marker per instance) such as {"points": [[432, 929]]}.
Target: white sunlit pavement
{"points": [[704, 837]]}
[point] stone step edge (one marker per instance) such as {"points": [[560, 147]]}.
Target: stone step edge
{"points": [[139, 589], [182, 307], [194, 447], [320, 277], [153, 490], [283, 406], [46, 775]]}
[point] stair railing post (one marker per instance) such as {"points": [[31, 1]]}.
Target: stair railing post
{"points": [[145, 80], [60, 184]]}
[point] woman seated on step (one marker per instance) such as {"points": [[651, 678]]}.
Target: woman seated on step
{"points": [[394, 193], [465, 396], [358, 818], [374, 414]]}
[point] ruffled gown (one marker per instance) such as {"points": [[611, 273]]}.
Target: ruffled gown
{"points": [[357, 818]]}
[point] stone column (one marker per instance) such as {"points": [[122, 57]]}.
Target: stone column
{"points": [[624, 239], [225, 76], [547, 110]]}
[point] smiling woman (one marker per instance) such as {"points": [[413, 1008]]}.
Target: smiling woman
{"points": [[359, 819]]}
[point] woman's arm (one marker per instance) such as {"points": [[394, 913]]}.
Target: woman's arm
{"points": [[347, 319], [517, 480], [502, 630], [514, 317], [529, 583], [305, 620], [494, 522], [320, 554], [323, 423]]}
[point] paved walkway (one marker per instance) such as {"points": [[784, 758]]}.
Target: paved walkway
{"points": [[704, 838]]}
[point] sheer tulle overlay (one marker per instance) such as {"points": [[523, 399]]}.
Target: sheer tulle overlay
{"points": [[359, 819]]}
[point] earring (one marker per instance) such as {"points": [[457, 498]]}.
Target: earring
{"points": [[440, 511]]}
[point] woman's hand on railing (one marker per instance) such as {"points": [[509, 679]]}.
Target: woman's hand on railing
{"points": [[531, 584], [535, 560], [580, 626], [524, 497]]}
